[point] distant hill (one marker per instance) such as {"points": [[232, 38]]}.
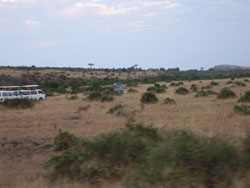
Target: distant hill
{"points": [[229, 67]]}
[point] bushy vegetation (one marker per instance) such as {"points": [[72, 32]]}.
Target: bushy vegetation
{"points": [[214, 83], [240, 84], [176, 84], [194, 88], [131, 90], [115, 108], [143, 156], [95, 96], [226, 93], [245, 97], [205, 93], [107, 98], [148, 97], [19, 103], [157, 88], [207, 87], [242, 109], [182, 91], [169, 101]]}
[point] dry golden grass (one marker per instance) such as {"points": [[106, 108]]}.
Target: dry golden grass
{"points": [[77, 74], [26, 136]]}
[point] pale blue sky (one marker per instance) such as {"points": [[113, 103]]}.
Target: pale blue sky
{"points": [[120, 33]]}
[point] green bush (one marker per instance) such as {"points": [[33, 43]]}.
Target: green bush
{"points": [[143, 156], [214, 83], [95, 96], [226, 93], [169, 101], [176, 84], [246, 152], [245, 97], [240, 84], [157, 88], [182, 91], [107, 98], [246, 80], [148, 97], [115, 108], [242, 109], [205, 93], [65, 140], [194, 88], [182, 155], [207, 87], [19, 103], [106, 156], [131, 90]]}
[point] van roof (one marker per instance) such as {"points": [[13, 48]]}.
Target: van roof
{"points": [[25, 86]]}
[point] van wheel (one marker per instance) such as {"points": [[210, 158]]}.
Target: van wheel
{"points": [[40, 99]]}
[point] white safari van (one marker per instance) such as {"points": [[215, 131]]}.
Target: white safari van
{"points": [[27, 91]]}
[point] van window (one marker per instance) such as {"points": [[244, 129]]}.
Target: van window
{"points": [[25, 92], [10, 94], [40, 92], [33, 92], [0, 94], [16, 93], [5, 94]]}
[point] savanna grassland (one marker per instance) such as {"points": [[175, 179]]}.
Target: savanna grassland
{"points": [[27, 135]]}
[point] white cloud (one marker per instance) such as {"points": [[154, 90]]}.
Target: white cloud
{"points": [[32, 22], [46, 44], [137, 26], [95, 7], [8, 1]]}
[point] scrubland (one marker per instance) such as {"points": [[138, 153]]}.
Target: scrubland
{"points": [[27, 135]]}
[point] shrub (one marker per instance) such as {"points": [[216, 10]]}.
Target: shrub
{"points": [[176, 84], [146, 157], [245, 97], [181, 156], [246, 152], [95, 96], [207, 87], [246, 80], [214, 83], [240, 84], [115, 108], [226, 93], [107, 98], [194, 87], [19, 103], [206, 93], [149, 97], [242, 109], [182, 91], [131, 90], [132, 84], [65, 140], [106, 156], [169, 101], [229, 82], [157, 88]]}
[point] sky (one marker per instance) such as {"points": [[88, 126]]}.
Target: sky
{"points": [[188, 34]]}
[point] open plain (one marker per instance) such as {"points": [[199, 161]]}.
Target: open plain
{"points": [[26, 136]]}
